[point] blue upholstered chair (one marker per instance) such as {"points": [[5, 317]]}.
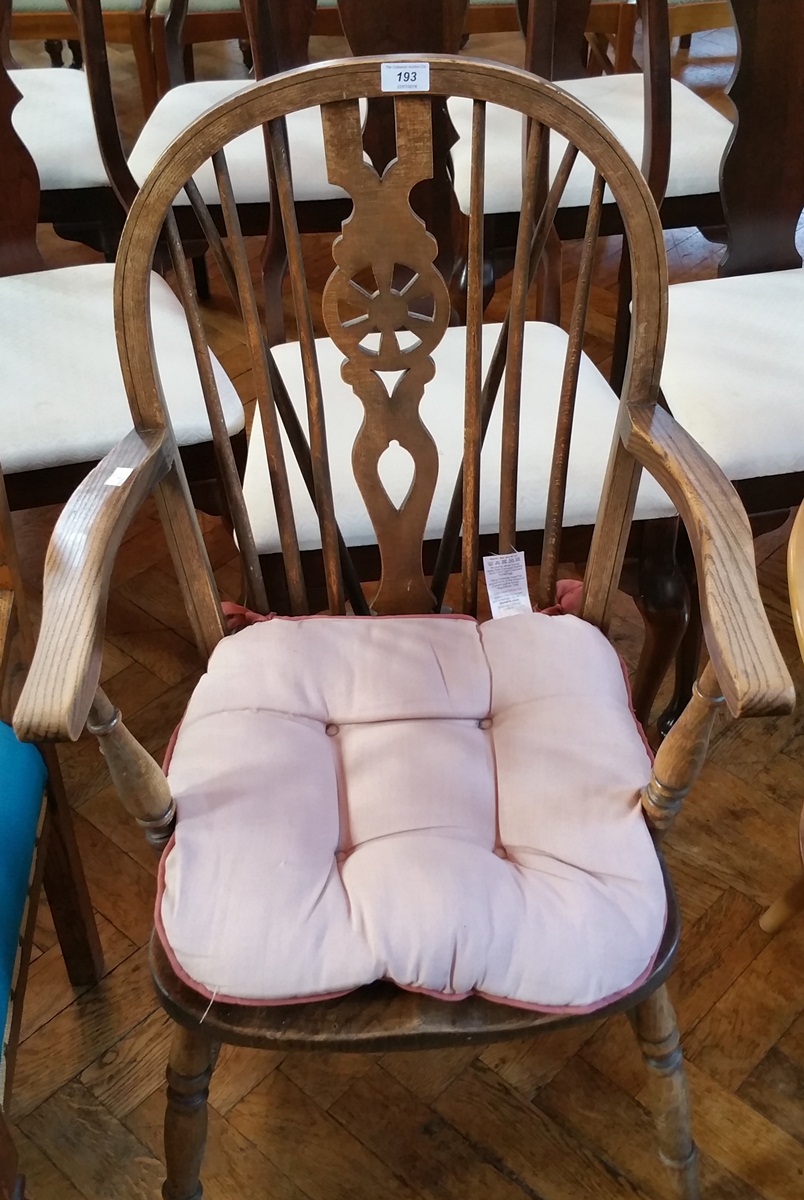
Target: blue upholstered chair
{"points": [[22, 788]]}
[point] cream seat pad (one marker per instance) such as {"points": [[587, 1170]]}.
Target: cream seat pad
{"points": [[450, 806], [442, 412], [698, 141], [54, 121], [245, 155], [733, 371], [63, 395]]}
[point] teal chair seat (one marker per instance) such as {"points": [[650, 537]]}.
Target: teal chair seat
{"points": [[22, 781]]}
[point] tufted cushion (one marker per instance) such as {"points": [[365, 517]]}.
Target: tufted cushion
{"points": [[54, 121], [22, 780], [446, 805], [78, 415], [699, 137], [245, 155], [733, 370], [442, 413]]}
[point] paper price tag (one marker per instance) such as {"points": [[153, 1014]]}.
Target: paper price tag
{"points": [[119, 475], [507, 584], [405, 77]]}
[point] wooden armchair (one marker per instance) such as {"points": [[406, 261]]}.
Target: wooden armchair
{"points": [[389, 805], [56, 423]]}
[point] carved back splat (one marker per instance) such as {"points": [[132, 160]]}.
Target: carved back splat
{"points": [[391, 325]]}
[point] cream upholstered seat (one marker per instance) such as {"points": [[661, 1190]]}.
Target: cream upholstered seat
{"points": [[54, 121], [733, 370], [60, 417], [450, 806], [699, 138], [442, 412], [179, 107]]}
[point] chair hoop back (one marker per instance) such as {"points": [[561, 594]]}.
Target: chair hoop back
{"points": [[387, 308]]}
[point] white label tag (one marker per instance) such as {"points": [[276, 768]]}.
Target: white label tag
{"points": [[507, 584], [119, 475], [405, 77]]}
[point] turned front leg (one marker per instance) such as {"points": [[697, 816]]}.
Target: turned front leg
{"points": [[188, 1075], [657, 1033]]}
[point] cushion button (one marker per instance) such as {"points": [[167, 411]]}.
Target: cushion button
{"points": [[332, 730], [486, 723]]}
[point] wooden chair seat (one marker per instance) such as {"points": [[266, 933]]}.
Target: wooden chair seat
{"points": [[545, 348], [49, 427], [699, 137]]}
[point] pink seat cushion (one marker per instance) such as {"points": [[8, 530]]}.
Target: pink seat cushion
{"points": [[447, 805]]}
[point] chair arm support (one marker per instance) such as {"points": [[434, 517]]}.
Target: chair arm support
{"points": [[747, 661], [63, 678]]}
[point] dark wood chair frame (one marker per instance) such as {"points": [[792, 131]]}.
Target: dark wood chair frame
{"points": [[62, 691]]}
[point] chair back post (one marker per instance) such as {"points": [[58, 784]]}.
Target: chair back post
{"points": [[762, 176], [557, 37], [89, 15], [417, 27], [174, 41], [19, 180], [655, 164], [279, 32]]}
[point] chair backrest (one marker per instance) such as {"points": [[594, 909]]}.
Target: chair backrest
{"points": [[387, 310], [762, 179]]}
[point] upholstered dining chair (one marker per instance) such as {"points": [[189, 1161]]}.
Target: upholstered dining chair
{"points": [[386, 825], [734, 361], [677, 137], [64, 403], [66, 120], [124, 21]]}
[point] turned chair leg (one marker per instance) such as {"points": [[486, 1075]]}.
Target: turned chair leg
{"points": [[788, 904], [657, 1032], [188, 1075]]}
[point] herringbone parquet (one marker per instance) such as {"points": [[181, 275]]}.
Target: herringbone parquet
{"points": [[561, 1118]]}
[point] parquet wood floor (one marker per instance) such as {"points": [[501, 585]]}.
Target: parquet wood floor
{"points": [[561, 1118]]}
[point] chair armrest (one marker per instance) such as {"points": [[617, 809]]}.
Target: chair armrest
{"points": [[65, 671], [747, 661]]}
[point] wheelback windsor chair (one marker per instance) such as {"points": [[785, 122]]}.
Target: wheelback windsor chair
{"points": [[374, 810]]}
